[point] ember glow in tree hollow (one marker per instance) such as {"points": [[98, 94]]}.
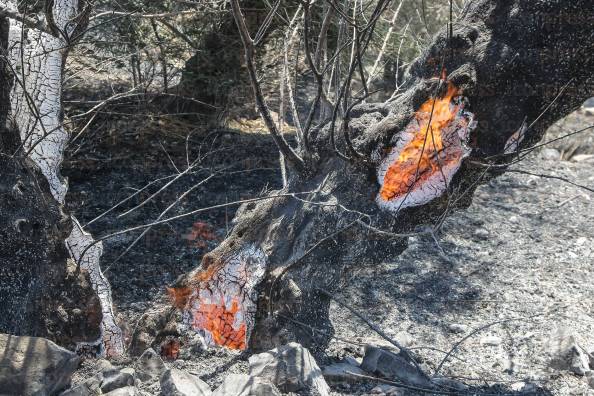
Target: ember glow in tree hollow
{"points": [[220, 302], [428, 153]]}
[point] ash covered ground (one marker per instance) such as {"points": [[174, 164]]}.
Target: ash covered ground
{"points": [[518, 263]]}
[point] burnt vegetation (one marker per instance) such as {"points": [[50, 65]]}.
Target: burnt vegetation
{"points": [[201, 182]]}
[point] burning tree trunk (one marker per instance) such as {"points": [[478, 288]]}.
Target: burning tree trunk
{"points": [[35, 53], [478, 99]]}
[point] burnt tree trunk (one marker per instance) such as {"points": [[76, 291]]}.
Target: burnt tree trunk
{"points": [[511, 68], [41, 294]]}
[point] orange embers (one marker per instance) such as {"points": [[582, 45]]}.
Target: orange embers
{"points": [[220, 323], [428, 153], [170, 348], [200, 234], [219, 299]]}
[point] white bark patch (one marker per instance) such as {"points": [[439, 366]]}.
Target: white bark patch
{"points": [[418, 176], [77, 243], [222, 307], [37, 59]]}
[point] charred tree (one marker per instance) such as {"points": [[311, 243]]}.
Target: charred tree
{"points": [[34, 51], [41, 294], [479, 98]]}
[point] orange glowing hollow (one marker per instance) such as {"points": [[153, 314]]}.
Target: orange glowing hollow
{"points": [[219, 300], [220, 323], [428, 153]]}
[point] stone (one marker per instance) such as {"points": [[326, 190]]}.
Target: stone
{"points": [[458, 328], [176, 382], [244, 385], [150, 365], [90, 387], [404, 339], [590, 378], [481, 233], [127, 391], [116, 379], [388, 390], [449, 384], [550, 154], [342, 372], [491, 341], [566, 354], [34, 366], [291, 368], [393, 365]]}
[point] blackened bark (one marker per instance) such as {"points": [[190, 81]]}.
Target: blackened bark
{"points": [[510, 59], [41, 294]]}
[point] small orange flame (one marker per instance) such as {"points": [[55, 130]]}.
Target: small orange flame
{"points": [[421, 158], [219, 321]]}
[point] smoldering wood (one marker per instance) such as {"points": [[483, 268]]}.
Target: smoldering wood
{"points": [[509, 58]]}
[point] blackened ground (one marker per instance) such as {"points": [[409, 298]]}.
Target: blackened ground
{"points": [[522, 255]]}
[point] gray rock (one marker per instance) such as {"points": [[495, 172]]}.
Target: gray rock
{"points": [[176, 382], [115, 379], [91, 387], [450, 384], [342, 372], [590, 378], [34, 366], [291, 368], [566, 354], [481, 233], [150, 365], [392, 365], [550, 154], [127, 391], [244, 385], [458, 328], [491, 341]]}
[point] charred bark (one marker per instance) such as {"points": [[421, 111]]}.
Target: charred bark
{"points": [[515, 66]]}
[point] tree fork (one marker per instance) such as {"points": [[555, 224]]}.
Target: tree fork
{"points": [[505, 62]]}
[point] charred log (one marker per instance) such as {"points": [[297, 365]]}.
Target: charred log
{"points": [[514, 67]]}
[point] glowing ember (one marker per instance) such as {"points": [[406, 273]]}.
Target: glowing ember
{"points": [[428, 153], [221, 301]]}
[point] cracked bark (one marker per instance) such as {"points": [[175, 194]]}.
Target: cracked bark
{"points": [[510, 59], [35, 62]]}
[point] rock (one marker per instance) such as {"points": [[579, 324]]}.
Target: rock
{"points": [[342, 372], [150, 365], [127, 391], [566, 354], [116, 379], [458, 328], [392, 365], [584, 157], [404, 339], [176, 382], [590, 378], [91, 387], [491, 341], [481, 233], [34, 366], [244, 385], [550, 154], [291, 368], [389, 390], [450, 384]]}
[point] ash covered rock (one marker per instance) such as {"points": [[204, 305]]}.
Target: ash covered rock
{"points": [[34, 366], [566, 354], [150, 366], [176, 382], [394, 366], [244, 385], [291, 368]]}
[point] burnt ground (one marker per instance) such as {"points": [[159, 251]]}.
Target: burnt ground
{"points": [[522, 255]]}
